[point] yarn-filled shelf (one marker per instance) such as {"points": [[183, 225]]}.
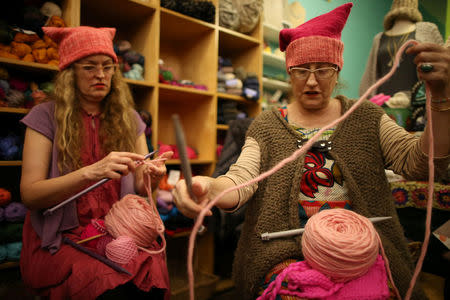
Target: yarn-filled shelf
{"points": [[9, 265], [222, 127], [14, 110], [232, 97], [27, 66], [10, 163], [139, 82]]}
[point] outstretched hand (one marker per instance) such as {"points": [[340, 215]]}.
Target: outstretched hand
{"points": [[433, 67], [185, 204]]}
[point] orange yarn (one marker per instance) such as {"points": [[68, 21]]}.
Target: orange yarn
{"points": [[5, 196]]}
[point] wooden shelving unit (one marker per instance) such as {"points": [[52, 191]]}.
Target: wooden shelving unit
{"points": [[275, 78], [191, 48]]}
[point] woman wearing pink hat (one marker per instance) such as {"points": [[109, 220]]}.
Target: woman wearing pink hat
{"points": [[345, 169], [87, 132]]}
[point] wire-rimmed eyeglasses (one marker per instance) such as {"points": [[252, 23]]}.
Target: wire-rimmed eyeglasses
{"points": [[93, 69]]}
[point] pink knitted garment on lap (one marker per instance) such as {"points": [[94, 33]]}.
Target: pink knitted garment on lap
{"points": [[305, 282]]}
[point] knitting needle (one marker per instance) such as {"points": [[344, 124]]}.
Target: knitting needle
{"points": [[104, 260], [185, 165], [91, 238], [88, 189], [279, 234]]}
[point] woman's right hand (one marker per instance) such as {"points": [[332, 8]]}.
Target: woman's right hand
{"points": [[201, 186], [114, 166]]}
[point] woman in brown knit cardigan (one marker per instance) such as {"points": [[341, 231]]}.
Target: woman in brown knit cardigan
{"points": [[350, 174]]}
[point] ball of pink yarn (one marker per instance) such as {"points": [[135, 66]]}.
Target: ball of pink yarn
{"points": [[340, 243], [121, 250], [134, 217]]}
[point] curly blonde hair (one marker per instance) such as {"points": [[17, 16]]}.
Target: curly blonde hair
{"points": [[117, 119]]}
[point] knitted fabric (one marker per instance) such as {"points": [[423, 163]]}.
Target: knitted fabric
{"points": [[76, 43], [274, 205], [405, 9], [318, 40], [306, 282], [425, 33]]}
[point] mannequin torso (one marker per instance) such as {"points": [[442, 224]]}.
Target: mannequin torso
{"points": [[400, 27]]}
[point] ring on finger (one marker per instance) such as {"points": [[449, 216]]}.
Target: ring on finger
{"points": [[426, 67]]}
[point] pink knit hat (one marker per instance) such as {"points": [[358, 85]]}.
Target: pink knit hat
{"points": [[78, 42], [318, 40]]}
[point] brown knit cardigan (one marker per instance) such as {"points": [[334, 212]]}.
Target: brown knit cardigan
{"points": [[274, 207]]}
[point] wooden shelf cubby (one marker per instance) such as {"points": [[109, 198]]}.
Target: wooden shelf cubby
{"points": [[191, 49]]}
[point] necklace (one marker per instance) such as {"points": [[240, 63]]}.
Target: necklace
{"points": [[393, 46]]}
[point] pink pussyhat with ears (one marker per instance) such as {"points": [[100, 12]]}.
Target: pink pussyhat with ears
{"points": [[318, 40], [76, 43]]}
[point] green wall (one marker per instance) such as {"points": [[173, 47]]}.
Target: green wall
{"points": [[364, 22], [447, 26], [435, 11]]}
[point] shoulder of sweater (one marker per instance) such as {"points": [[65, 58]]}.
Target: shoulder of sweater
{"points": [[377, 36], [366, 104], [428, 32], [263, 117]]}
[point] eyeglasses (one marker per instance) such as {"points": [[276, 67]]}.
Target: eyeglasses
{"points": [[321, 73], [92, 70]]}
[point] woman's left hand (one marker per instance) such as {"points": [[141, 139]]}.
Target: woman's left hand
{"points": [[156, 168], [433, 67]]}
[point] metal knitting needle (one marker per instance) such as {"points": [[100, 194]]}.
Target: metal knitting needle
{"points": [[88, 189], [97, 256], [185, 165], [279, 234]]}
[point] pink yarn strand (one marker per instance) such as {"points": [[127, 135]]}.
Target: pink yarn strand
{"points": [[426, 240], [302, 150]]}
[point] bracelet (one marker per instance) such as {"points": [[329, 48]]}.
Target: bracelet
{"points": [[435, 108], [440, 100]]}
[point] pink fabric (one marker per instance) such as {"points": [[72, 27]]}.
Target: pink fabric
{"points": [[380, 99], [78, 42], [305, 282], [318, 40]]}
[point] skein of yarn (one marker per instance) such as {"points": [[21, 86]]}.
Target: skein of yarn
{"points": [[15, 212], [339, 247], [134, 217], [340, 244], [121, 250], [5, 197]]}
